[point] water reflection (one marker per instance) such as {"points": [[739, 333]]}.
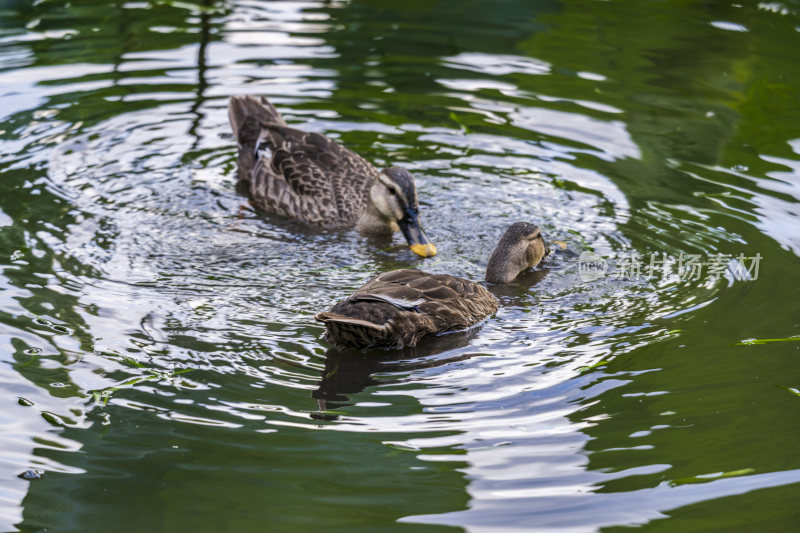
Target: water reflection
{"points": [[347, 373], [160, 342]]}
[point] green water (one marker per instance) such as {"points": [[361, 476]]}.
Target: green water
{"points": [[159, 362]]}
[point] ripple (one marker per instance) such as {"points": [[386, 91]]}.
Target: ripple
{"points": [[158, 328]]}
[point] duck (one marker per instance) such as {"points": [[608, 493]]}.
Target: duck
{"points": [[310, 178], [398, 308]]}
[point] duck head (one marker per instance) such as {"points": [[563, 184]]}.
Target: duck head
{"points": [[521, 247], [394, 195]]}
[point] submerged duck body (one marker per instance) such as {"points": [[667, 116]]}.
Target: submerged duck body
{"points": [[396, 309], [307, 177]]}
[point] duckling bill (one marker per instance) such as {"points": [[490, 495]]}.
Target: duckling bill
{"points": [[398, 308], [308, 177]]}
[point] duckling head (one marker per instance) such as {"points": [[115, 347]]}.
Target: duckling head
{"points": [[394, 195], [521, 247]]}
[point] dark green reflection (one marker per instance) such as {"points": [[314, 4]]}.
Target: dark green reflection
{"points": [[166, 341]]}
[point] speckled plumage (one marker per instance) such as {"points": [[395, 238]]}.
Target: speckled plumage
{"points": [[397, 308], [296, 174]]}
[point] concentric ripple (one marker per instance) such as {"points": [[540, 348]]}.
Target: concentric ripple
{"points": [[160, 329]]}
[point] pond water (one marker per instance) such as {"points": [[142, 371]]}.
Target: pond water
{"points": [[160, 366]]}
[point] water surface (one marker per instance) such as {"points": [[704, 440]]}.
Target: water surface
{"points": [[160, 363]]}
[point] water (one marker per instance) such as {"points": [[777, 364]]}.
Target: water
{"points": [[160, 362]]}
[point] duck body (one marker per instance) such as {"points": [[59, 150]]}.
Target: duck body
{"points": [[308, 177], [398, 308]]}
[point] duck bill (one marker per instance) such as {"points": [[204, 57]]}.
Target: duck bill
{"points": [[419, 243]]}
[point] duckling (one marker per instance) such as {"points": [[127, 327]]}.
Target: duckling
{"points": [[308, 177], [396, 309]]}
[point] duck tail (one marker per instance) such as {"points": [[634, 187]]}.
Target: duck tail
{"points": [[348, 332], [247, 113]]}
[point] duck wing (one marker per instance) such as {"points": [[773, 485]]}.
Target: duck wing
{"points": [[297, 174], [409, 304]]}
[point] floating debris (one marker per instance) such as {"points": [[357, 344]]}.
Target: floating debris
{"points": [[31, 474]]}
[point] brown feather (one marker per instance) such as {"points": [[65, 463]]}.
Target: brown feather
{"points": [[402, 306], [296, 174], [441, 303]]}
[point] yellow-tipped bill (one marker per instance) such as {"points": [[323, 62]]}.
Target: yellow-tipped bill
{"points": [[424, 250], [419, 242]]}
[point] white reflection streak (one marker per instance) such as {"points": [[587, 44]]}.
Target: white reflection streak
{"points": [[608, 137], [779, 218], [582, 512]]}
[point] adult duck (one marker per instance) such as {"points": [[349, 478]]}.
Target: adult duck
{"points": [[396, 309], [307, 177]]}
